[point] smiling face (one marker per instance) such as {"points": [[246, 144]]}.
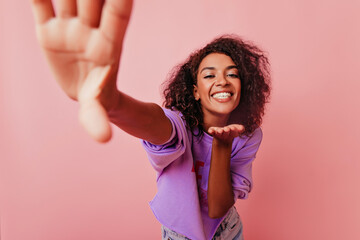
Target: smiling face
{"points": [[218, 88]]}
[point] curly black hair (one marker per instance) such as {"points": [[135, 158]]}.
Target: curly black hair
{"points": [[253, 68]]}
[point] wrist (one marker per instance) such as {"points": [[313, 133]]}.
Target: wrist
{"points": [[109, 98], [222, 143], [222, 146]]}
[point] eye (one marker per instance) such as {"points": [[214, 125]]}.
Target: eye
{"points": [[209, 76], [233, 75]]}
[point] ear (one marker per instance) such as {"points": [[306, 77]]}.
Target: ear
{"points": [[196, 94]]}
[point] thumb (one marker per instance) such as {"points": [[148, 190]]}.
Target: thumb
{"points": [[94, 119], [94, 83], [92, 115]]}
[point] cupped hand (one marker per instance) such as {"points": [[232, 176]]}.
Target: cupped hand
{"points": [[82, 42], [227, 133]]}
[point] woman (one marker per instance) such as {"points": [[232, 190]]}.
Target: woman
{"points": [[202, 144]]}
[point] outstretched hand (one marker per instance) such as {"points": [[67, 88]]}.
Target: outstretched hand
{"points": [[228, 133], [82, 42]]}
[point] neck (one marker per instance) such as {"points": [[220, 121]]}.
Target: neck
{"points": [[215, 121]]}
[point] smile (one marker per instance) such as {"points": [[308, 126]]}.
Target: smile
{"points": [[222, 95]]}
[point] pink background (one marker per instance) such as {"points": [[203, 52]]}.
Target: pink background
{"points": [[57, 183]]}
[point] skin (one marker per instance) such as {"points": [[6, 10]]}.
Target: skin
{"points": [[218, 73], [82, 42]]}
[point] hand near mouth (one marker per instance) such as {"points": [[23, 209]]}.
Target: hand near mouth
{"points": [[227, 133]]}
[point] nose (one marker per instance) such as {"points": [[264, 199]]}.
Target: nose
{"points": [[221, 80]]}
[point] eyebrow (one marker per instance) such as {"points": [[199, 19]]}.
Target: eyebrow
{"points": [[213, 68]]}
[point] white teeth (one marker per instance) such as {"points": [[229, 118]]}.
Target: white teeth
{"points": [[222, 95]]}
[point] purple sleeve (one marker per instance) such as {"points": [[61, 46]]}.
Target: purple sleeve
{"points": [[160, 156], [241, 164]]}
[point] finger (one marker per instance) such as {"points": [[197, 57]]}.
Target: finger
{"points": [[115, 18], [211, 130], [232, 128], [92, 115], [94, 83], [226, 129], [234, 134], [237, 127], [66, 8], [233, 131], [93, 118], [90, 11], [219, 131], [240, 128], [43, 10], [227, 132]]}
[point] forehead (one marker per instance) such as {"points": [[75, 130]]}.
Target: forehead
{"points": [[216, 60]]}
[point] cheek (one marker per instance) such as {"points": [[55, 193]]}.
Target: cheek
{"points": [[237, 85], [238, 89], [203, 88]]}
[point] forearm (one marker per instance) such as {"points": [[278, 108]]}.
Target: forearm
{"points": [[220, 193], [140, 119]]}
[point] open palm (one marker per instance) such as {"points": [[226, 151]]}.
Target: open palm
{"points": [[82, 42], [227, 133]]}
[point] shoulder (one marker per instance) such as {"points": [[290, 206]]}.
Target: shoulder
{"points": [[248, 144], [173, 114], [177, 121], [255, 136]]}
